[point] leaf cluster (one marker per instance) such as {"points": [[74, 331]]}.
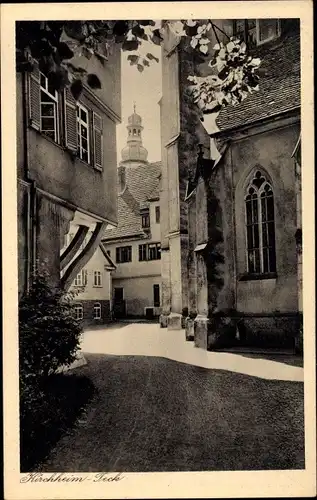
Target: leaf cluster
{"points": [[57, 45]]}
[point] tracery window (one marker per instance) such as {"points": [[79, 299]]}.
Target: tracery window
{"points": [[260, 226]]}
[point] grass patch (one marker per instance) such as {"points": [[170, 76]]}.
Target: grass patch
{"points": [[55, 406]]}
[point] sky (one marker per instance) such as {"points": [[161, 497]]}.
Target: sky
{"points": [[145, 90]]}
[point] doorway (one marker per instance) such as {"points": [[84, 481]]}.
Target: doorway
{"points": [[119, 309]]}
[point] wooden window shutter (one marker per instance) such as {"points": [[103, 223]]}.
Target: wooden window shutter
{"points": [[70, 121], [35, 97], [97, 130]]}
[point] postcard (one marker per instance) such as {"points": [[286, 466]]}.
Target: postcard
{"points": [[158, 250]]}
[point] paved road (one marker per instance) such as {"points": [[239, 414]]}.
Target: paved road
{"points": [[154, 414], [151, 340]]}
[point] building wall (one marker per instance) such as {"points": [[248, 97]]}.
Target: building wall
{"points": [[137, 277], [59, 183], [272, 151], [54, 170], [91, 294], [110, 74], [182, 131], [267, 308], [88, 312], [90, 291], [20, 120], [23, 203], [135, 267], [169, 196], [138, 293]]}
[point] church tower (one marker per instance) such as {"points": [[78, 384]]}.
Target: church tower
{"points": [[134, 152]]}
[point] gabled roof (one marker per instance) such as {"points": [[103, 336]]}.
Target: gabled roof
{"points": [[142, 184], [279, 85]]}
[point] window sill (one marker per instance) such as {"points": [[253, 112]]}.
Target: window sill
{"points": [[47, 137], [97, 286], [66, 150], [89, 165], [258, 277]]}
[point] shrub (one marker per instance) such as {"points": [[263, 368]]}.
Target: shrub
{"points": [[49, 334], [49, 337]]}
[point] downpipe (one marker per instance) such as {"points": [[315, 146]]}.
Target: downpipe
{"points": [[31, 218]]}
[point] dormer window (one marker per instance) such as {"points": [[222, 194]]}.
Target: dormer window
{"points": [[145, 219], [256, 31], [267, 30]]}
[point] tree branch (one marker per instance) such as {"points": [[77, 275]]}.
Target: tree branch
{"points": [[217, 27], [215, 32]]}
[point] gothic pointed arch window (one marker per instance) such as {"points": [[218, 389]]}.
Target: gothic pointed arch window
{"points": [[260, 225]]}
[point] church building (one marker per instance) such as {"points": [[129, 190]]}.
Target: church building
{"points": [[135, 244], [235, 254]]}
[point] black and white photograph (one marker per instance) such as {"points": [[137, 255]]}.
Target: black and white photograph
{"points": [[160, 296]]}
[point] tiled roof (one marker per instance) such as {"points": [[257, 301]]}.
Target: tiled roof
{"points": [[142, 183], [279, 85]]}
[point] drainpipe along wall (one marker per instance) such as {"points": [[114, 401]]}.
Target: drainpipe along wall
{"points": [[31, 206]]}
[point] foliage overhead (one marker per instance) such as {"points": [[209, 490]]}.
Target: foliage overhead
{"points": [[57, 45]]}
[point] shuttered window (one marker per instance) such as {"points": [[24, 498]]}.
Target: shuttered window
{"points": [[34, 97], [43, 104], [83, 132], [97, 130], [83, 128], [49, 108], [70, 121]]}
